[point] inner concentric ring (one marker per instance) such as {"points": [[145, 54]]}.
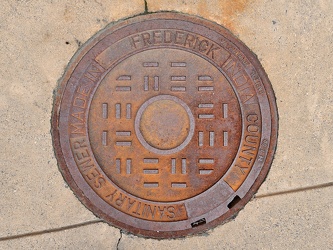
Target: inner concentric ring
{"points": [[164, 124]]}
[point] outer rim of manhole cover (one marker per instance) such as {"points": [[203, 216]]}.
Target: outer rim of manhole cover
{"points": [[75, 146]]}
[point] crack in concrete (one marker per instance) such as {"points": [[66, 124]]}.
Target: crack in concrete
{"points": [[146, 7], [53, 230], [121, 236]]}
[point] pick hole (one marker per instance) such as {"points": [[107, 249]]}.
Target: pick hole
{"points": [[198, 222], [234, 201]]}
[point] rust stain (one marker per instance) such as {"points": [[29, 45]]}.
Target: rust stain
{"points": [[225, 12], [68, 13]]}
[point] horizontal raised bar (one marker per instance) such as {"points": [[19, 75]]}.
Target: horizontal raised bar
{"points": [[124, 143], [178, 78], [206, 116], [150, 184], [150, 64], [124, 78], [205, 78], [209, 88], [206, 161], [178, 64], [123, 133], [178, 89], [150, 171], [150, 160], [205, 171], [178, 185], [206, 105], [123, 88]]}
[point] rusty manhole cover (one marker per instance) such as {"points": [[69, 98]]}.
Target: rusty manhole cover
{"points": [[164, 125]]}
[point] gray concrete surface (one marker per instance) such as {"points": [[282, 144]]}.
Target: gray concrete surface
{"points": [[292, 39]]}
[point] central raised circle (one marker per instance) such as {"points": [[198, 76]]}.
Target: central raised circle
{"points": [[164, 124]]}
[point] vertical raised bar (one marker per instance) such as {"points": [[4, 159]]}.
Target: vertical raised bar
{"points": [[183, 166], [211, 138], [128, 166], [104, 138], [105, 110], [200, 138], [156, 83], [118, 110], [173, 166], [118, 165], [128, 111], [225, 138], [146, 83], [225, 110]]}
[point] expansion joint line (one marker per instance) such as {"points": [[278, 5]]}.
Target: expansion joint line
{"points": [[53, 230], [296, 190]]}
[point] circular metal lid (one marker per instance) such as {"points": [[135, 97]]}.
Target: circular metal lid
{"points": [[164, 125]]}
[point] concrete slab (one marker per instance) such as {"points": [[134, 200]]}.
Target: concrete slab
{"points": [[293, 221], [37, 40], [294, 42]]}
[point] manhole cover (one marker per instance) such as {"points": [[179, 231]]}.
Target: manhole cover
{"points": [[164, 125]]}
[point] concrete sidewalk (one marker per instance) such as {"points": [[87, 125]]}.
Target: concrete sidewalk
{"points": [[292, 39]]}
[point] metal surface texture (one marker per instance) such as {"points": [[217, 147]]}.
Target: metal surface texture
{"points": [[164, 125]]}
